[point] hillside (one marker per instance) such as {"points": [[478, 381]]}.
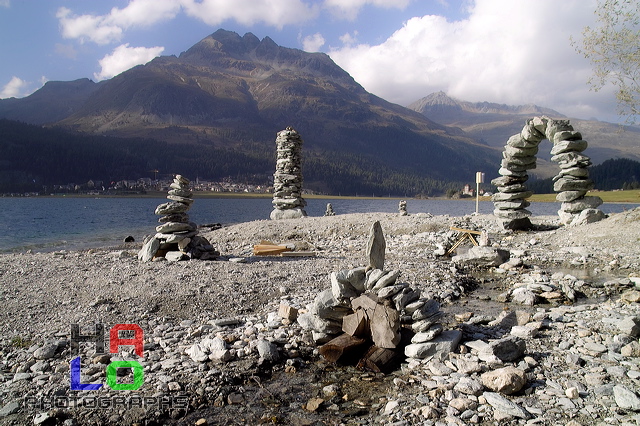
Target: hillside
{"points": [[493, 124], [232, 92]]}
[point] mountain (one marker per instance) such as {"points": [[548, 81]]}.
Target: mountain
{"points": [[493, 124], [232, 92]]}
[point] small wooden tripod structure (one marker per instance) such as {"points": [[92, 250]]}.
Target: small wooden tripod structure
{"points": [[463, 234]]}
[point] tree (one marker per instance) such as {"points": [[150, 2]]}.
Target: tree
{"points": [[613, 47]]}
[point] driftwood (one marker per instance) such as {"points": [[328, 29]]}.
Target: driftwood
{"points": [[342, 345]]}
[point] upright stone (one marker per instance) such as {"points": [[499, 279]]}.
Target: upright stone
{"points": [[287, 180], [376, 247]]}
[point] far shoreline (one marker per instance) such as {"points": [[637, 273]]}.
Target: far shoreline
{"points": [[616, 196]]}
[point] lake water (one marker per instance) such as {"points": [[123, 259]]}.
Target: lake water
{"points": [[45, 224]]}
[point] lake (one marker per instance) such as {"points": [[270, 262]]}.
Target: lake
{"points": [[55, 223]]}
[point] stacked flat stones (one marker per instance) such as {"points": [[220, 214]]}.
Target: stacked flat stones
{"points": [[287, 180], [417, 314], [176, 236], [572, 183], [329, 211], [519, 156]]}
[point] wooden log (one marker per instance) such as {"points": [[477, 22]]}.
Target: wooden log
{"points": [[340, 347], [380, 360]]}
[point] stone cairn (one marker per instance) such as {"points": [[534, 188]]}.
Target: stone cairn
{"points": [[329, 211], [287, 180], [572, 183], [369, 306], [402, 208], [176, 237]]}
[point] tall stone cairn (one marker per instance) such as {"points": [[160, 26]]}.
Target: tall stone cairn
{"points": [[176, 237], [572, 183], [287, 180]]}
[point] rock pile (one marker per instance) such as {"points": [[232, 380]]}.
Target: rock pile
{"points": [[402, 208], [329, 211], [572, 182], [369, 303], [287, 180], [176, 237]]}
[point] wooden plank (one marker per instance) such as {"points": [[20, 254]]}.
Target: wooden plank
{"points": [[379, 360], [269, 250], [340, 347], [298, 253]]}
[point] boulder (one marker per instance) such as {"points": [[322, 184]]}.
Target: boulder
{"points": [[505, 380]]}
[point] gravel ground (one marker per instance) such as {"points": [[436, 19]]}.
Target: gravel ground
{"points": [[178, 303]]}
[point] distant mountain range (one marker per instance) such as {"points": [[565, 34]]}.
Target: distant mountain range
{"points": [[214, 112], [493, 124]]}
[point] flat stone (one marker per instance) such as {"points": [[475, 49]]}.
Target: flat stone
{"points": [[517, 141], [149, 250], [507, 349], [500, 403], [482, 256], [342, 290], [508, 180], [508, 196], [45, 352], [630, 326], [512, 151], [570, 195], [295, 213], [439, 348], [580, 204], [564, 184], [577, 172], [268, 351], [514, 167], [512, 214], [571, 159], [517, 224], [511, 204], [563, 146], [516, 187], [626, 398], [169, 227], [171, 207], [376, 246], [511, 173]]}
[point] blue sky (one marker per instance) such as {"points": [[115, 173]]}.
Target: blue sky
{"points": [[505, 51]]}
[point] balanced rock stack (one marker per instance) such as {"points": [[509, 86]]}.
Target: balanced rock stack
{"points": [[176, 236], [367, 311], [287, 180], [519, 155], [572, 183], [329, 211]]}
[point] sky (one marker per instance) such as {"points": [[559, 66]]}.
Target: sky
{"points": [[512, 52]]}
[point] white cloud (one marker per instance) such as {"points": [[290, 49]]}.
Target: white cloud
{"points": [[349, 9], [5, 3], [14, 88], [124, 57], [349, 39], [313, 43], [506, 51], [276, 13], [104, 29]]}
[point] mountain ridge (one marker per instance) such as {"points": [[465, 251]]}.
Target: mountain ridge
{"points": [[232, 92]]}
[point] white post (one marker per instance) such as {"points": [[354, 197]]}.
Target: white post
{"points": [[479, 180]]}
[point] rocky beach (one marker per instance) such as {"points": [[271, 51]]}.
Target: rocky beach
{"points": [[547, 324]]}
